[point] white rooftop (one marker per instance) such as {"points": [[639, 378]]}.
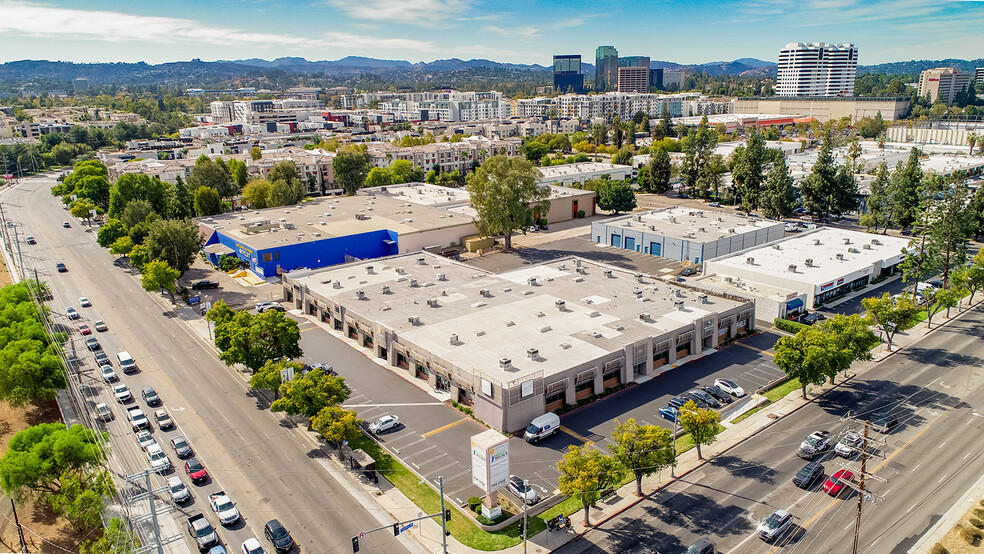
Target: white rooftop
{"points": [[555, 171], [692, 224]]}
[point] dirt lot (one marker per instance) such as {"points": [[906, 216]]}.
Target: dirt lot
{"points": [[954, 543], [4, 274]]}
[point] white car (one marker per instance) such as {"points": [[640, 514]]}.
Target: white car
{"points": [[103, 412], [384, 423], [730, 387], [145, 439], [84, 302], [108, 374], [122, 393], [159, 461], [164, 420], [224, 508], [179, 492], [137, 419], [849, 445], [71, 313], [523, 491], [253, 546]]}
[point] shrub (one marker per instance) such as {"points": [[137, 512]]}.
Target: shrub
{"points": [[473, 503], [790, 326], [971, 535], [939, 549], [580, 214], [229, 263], [977, 523], [979, 513]]}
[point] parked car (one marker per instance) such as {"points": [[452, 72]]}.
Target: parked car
{"points": [[179, 492], [808, 474], [204, 284], [30, 240], [885, 423], [276, 533], [717, 393], [108, 374], [264, 306], [103, 412], [696, 400], [774, 526], [849, 445], [707, 398], [99, 325], [678, 402], [66, 224], [84, 329], [384, 423], [60, 267], [252, 546], [122, 393], [145, 439], [730, 387], [92, 343], [714, 204], [816, 443], [150, 396], [223, 507], [703, 545], [195, 470], [525, 492], [800, 211], [71, 313], [202, 531], [164, 420], [181, 447], [688, 271], [810, 318], [836, 482], [669, 412], [84, 302]]}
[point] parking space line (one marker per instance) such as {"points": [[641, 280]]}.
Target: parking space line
{"points": [[444, 427], [577, 436]]}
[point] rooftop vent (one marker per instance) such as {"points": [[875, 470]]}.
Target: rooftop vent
{"points": [[432, 302], [413, 320], [855, 250], [678, 304], [776, 247], [454, 338], [702, 298], [652, 227], [582, 271], [639, 277], [485, 292], [866, 246], [360, 294], [840, 256], [386, 289], [531, 281], [442, 277], [750, 260], [577, 263], [876, 242], [701, 230], [638, 218], [413, 282], [561, 305], [533, 353], [421, 261], [504, 363], [731, 231], [791, 268], [336, 284], [816, 242], [369, 269], [608, 273], [400, 271], [847, 241], [809, 262]]}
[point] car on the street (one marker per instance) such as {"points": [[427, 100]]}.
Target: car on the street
{"points": [[885, 423], [525, 492], [103, 412], [714, 204], [99, 325], [108, 374], [252, 546], [276, 533], [137, 419], [849, 445], [60, 267], [730, 387], [159, 461], [145, 439], [707, 398], [181, 447], [179, 492], [92, 343], [718, 394], [808, 474], [835, 483], [84, 329], [264, 306], [195, 470], [66, 224], [702, 545], [223, 507], [150, 396], [202, 531], [71, 313], [30, 240], [84, 302], [204, 284], [101, 358], [774, 526], [384, 423], [164, 420], [816, 443], [669, 412], [122, 393]]}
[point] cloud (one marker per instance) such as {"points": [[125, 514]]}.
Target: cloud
{"points": [[526, 32], [45, 21], [426, 13]]}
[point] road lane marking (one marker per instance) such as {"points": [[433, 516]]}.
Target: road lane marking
{"points": [[309, 329], [917, 466], [444, 427], [755, 349], [942, 478], [577, 436], [370, 405], [941, 444]]}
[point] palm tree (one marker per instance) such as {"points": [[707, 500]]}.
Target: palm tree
{"points": [[973, 139]]}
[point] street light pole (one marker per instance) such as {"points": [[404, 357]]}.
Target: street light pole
{"points": [[673, 442], [526, 487]]}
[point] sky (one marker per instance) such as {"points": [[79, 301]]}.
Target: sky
{"points": [[516, 31]]}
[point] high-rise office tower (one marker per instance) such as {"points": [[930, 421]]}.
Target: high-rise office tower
{"points": [[817, 69], [943, 84], [633, 79], [606, 68], [567, 74]]}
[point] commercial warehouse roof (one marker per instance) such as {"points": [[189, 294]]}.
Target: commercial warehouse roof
{"points": [[689, 224]]}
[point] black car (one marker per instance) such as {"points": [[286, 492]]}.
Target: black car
{"points": [[702, 546], [808, 474], [701, 403], [717, 393], [204, 284], [276, 533], [678, 402], [102, 359], [811, 318], [707, 398], [885, 423], [61, 267], [150, 396]]}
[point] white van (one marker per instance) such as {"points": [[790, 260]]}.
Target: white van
{"points": [[126, 362], [542, 427]]}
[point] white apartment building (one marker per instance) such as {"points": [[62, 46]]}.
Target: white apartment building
{"points": [[624, 105], [264, 111], [817, 69], [449, 156], [943, 84]]}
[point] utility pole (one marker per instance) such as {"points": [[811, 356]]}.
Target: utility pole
{"points": [[20, 530], [864, 458], [526, 487], [444, 517], [150, 494], [673, 442]]}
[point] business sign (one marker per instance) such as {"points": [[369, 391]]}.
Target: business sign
{"points": [[490, 460], [828, 286]]}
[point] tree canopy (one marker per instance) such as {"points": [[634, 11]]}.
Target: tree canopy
{"points": [[309, 394], [158, 275], [584, 473], [254, 339], [701, 424], [642, 449], [351, 165], [505, 194], [616, 196], [176, 241], [30, 369]]}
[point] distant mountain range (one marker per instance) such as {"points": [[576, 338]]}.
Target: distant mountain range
{"points": [[196, 71]]}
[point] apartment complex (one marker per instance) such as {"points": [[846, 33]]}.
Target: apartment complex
{"points": [[287, 110], [943, 84], [817, 69], [446, 106], [448, 156], [606, 68], [567, 76], [625, 105]]}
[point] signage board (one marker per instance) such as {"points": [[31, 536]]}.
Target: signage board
{"points": [[490, 460]]}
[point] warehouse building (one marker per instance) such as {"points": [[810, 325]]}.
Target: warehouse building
{"points": [[685, 234], [517, 344]]}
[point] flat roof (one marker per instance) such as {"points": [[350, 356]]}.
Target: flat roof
{"points": [[822, 248], [555, 171], [690, 224], [600, 310], [424, 194], [332, 217]]}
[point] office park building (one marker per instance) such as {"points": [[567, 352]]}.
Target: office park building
{"points": [[517, 344]]}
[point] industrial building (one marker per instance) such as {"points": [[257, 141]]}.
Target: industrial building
{"points": [[685, 234], [518, 344], [824, 108]]}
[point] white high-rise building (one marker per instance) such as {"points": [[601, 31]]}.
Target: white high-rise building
{"points": [[817, 69]]}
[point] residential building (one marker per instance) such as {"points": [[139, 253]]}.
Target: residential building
{"points": [[302, 93], [633, 79], [447, 156], [943, 84], [824, 108], [624, 105], [567, 76], [314, 167], [515, 345], [817, 69], [606, 68]]}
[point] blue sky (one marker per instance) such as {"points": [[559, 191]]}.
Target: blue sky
{"points": [[517, 31]]}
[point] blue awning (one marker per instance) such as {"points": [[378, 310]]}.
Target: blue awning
{"points": [[794, 304]]}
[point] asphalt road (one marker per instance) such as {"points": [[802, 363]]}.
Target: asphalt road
{"points": [[268, 468], [916, 471]]}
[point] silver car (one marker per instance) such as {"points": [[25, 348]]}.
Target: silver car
{"points": [[179, 492]]}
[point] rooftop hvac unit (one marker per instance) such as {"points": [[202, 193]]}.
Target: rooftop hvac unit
{"points": [[644, 317], [750, 261], [504, 363], [702, 298], [840, 256], [816, 242], [315, 234], [560, 304], [413, 282], [639, 277], [531, 281], [866, 246], [421, 261], [652, 227], [577, 263], [672, 219], [855, 250], [336, 284], [582, 271], [369, 269], [791, 268], [432, 302], [809, 262], [638, 218], [678, 304], [386, 289], [454, 338], [485, 292], [400, 271], [533, 353], [776, 247], [701, 230], [729, 280], [847, 241], [413, 320], [300, 236], [242, 217], [731, 231], [442, 277], [637, 293], [678, 293], [876, 242], [608, 273], [360, 294]]}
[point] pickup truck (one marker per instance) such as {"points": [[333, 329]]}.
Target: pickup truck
{"points": [[137, 419], [202, 531], [223, 508]]}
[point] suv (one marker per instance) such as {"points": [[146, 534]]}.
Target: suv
{"points": [[775, 525], [150, 396], [137, 419], [816, 443], [717, 393], [707, 398], [885, 423], [103, 413], [808, 474], [276, 533], [849, 445]]}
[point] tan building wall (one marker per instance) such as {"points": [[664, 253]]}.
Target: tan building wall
{"points": [[825, 109]]}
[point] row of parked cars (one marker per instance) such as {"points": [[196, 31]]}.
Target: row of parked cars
{"points": [[715, 396]]}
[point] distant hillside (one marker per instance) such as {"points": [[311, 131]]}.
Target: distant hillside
{"points": [[914, 67]]}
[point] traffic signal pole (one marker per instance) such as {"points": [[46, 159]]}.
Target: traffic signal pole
{"points": [[444, 514]]}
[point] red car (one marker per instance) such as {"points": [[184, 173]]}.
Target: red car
{"points": [[195, 470], [84, 329], [836, 481]]}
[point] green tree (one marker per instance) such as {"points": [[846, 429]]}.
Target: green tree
{"points": [[660, 170], [135, 186], [969, 278], [115, 539], [30, 370], [937, 300], [845, 195], [284, 171], [879, 208], [88, 179], [239, 172], [819, 187], [623, 157], [809, 356], [891, 315], [111, 232], [256, 193], [665, 122], [642, 449], [534, 150], [81, 496], [950, 224], [778, 199], [253, 340], [255, 153], [285, 193], [136, 212], [158, 275], [403, 171], [584, 473], [336, 425], [853, 336], [82, 209], [697, 148], [208, 173], [854, 154], [702, 425], [379, 177], [121, 247], [180, 200], [505, 194], [207, 201], [175, 241], [269, 377], [747, 170], [616, 196], [139, 256], [904, 191], [351, 165], [308, 394]]}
